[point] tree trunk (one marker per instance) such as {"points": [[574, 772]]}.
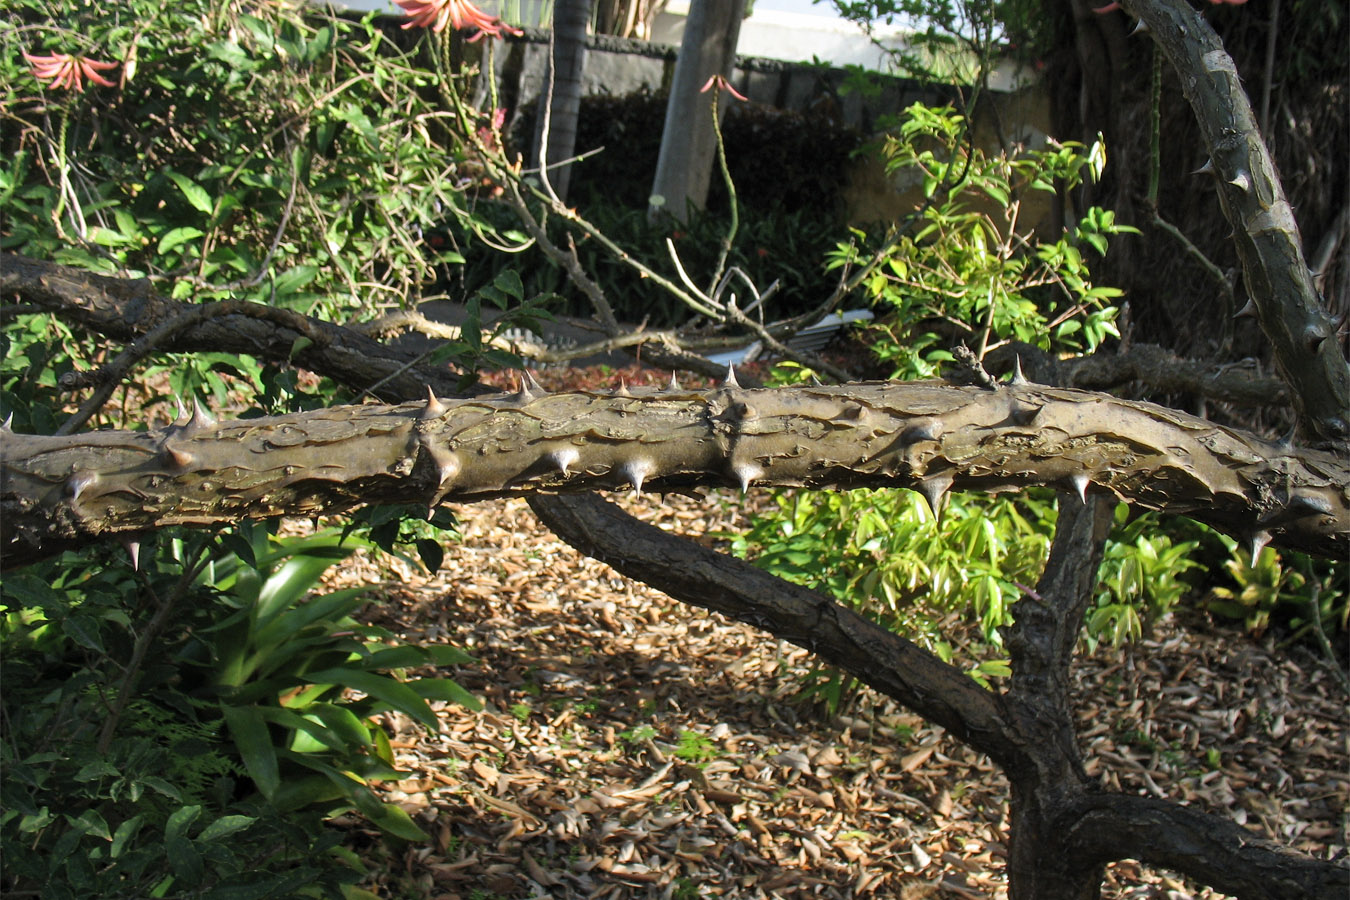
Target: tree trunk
{"points": [[1046, 793], [560, 103], [688, 142]]}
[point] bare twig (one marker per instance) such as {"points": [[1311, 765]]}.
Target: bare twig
{"points": [[165, 607]]}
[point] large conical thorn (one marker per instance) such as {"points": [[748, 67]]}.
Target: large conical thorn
{"points": [[1080, 484], [636, 471], [134, 551], [201, 418], [434, 408], [564, 459], [934, 489], [746, 472], [1256, 543]]}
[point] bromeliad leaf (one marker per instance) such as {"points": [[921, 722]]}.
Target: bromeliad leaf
{"points": [[392, 693], [249, 730]]}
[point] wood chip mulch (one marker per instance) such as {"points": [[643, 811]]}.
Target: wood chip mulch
{"points": [[633, 747]]}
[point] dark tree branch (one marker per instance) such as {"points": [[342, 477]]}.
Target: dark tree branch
{"points": [[719, 583], [1276, 275], [106, 378], [125, 310], [1157, 370], [1209, 848], [1041, 641]]}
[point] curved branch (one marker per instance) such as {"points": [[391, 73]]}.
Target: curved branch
{"points": [[714, 581], [1277, 276], [106, 378], [1209, 848], [1158, 370], [126, 309]]}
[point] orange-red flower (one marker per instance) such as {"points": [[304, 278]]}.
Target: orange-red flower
{"points": [[68, 72], [458, 14], [722, 85]]}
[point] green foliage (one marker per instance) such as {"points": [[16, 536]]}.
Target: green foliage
{"points": [[970, 270], [267, 151], [695, 748], [1140, 580], [952, 41], [1310, 597], [280, 666], [261, 150], [637, 735], [885, 555], [183, 731]]}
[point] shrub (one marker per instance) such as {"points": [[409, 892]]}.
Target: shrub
{"points": [[150, 716]]}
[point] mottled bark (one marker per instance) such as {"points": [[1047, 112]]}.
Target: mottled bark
{"points": [[931, 436]]}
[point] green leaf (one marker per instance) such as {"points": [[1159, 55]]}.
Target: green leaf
{"points": [[297, 577], [330, 610], [84, 631], [343, 722], [508, 282], [446, 689], [178, 236], [195, 194], [125, 833], [95, 770], [432, 554], [394, 820], [298, 793], [445, 655], [162, 786], [393, 693], [295, 278], [91, 822], [249, 730], [224, 826], [185, 860], [180, 821], [311, 736], [394, 658]]}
